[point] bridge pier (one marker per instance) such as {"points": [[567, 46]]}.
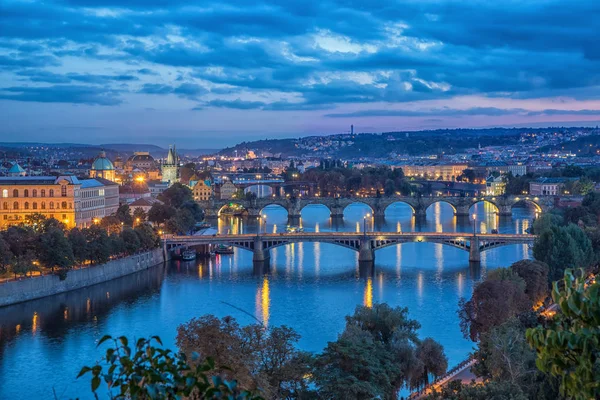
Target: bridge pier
{"points": [[366, 258], [293, 220], [261, 259], [420, 213], [505, 211], [474, 253], [336, 212], [461, 211]]}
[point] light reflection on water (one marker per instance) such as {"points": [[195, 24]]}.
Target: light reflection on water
{"points": [[311, 288]]}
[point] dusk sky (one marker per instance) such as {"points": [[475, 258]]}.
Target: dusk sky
{"points": [[219, 72]]}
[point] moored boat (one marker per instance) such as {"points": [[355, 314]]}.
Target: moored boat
{"points": [[223, 249]]}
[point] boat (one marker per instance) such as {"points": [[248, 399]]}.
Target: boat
{"points": [[188, 255], [223, 249]]}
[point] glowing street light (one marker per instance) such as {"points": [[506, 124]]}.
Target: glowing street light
{"points": [[365, 223], [474, 222]]}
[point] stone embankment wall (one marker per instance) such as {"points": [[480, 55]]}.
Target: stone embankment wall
{"points": [[36, 287]]}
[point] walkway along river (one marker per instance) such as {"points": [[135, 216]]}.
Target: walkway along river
{"points": [[311, 287]]}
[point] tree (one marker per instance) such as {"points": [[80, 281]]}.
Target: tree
{"points": [[79, 245], [563, 248], [182, 222], [36, 221], [431, 361], [143, 371], [55, 250], [258, 357], [194, 209], [176, 195], [147, 236], [131, 240], [494, 301], [159, 213], [139, 215], [124, 215], [98, 244], [6, 255], [568, 347], [535, 275], [112, 224]]}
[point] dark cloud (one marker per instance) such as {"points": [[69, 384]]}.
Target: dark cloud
{"points": [[406, 50], [236, 104], [62, 94], [452, 112]]}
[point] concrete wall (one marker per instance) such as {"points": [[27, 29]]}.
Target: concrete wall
{"points": [[35, 288]]}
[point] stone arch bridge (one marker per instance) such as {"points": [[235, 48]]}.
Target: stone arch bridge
{"points": [[378, 205], [364, 243]]}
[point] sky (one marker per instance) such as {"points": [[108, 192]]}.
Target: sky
{"points": [[214, 73]]}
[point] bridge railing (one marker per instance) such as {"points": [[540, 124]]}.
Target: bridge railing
{"points": [[457, 369]]}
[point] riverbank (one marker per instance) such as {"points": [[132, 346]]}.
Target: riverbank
{"points": [[48, 285]]}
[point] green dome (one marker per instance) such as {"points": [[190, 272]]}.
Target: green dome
{"points": [[102, 163]]}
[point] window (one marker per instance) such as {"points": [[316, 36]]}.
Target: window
{"points": [[15, 205], [34, 193], [51, 192], [5, 205], [26, 193], [16, 193], [43, 192], [5, 193], [27, 205], [64, 205], [43, 205], [34, 205], [63, 190], [52, 205]]}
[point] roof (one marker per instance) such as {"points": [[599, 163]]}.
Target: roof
{"points": [[16, 169], [144, 202], [89, 183], [102, 163], [554, 180], [37, 180], [141, 157]]}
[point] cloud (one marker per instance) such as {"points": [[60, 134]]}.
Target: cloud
{"points": [[62, 94], [236, 104], [452, 112], [50, 77], [186, 90]]}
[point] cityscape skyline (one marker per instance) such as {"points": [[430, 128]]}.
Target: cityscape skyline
{"points": [[226, 73]]}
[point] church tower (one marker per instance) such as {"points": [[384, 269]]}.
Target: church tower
{"points": [[170, 168]]}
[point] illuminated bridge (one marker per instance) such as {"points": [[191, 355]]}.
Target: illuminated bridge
{"points": [[364, 243]]}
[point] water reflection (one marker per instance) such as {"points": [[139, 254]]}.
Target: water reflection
{"points": [[368, 296]]}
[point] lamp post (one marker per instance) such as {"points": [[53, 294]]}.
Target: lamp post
{"points": [[365, 223], [265, 221], [474, 222]]}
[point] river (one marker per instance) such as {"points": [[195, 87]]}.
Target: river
{"points": [[312, 286]]}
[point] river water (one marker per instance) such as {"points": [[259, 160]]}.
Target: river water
{"points": [[312, 286]]}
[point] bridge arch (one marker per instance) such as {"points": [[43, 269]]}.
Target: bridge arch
{"points": [[443, 201], [484, 202], [233, 207], [528, 201], [313, 202], [348, 244], [262, 190], [353, 201], [396, 203]]}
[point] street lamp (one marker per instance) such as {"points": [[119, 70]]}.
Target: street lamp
{"points": [[265, 221], [474, 221], [365, 223]]}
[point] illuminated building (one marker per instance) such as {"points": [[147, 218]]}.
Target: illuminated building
{"points": [[102, 167]]}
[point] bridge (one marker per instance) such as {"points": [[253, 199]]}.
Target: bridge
{"points": [[365, 243], [461, 205]]}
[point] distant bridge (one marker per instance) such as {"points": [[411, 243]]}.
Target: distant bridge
{"points": [[378, 205], [364, 243]]}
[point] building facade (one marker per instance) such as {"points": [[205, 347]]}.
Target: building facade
{"points": [[53, 197], [202, 191], [227, 191], [546, 187], [447, 172], [98, 198], [103, 168], [170, 168], [494, 186]]}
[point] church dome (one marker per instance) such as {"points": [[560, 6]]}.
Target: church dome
{"points": [[102, 163], [141, 156]]}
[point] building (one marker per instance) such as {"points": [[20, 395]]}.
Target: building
{"points": [[51, 196], [547, 186], [140, 160], [15, 171], [98, 198], [103, 168], [202, 191], [494, 186], [170, 168], [227, 191], [145, 204], [447, 172], [157, 188]]}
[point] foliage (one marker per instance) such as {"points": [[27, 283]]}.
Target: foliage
{"points": [[131, 240], [569, 346], [143, 371], [176, 195], [159, 213], [55, 250], [258, 357], [535, 275], [182, 222], [124, 215], [98, 244], [563, 247], [148, 237], [494, 301], [139, 215], [378, 353], [78, 241]]}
